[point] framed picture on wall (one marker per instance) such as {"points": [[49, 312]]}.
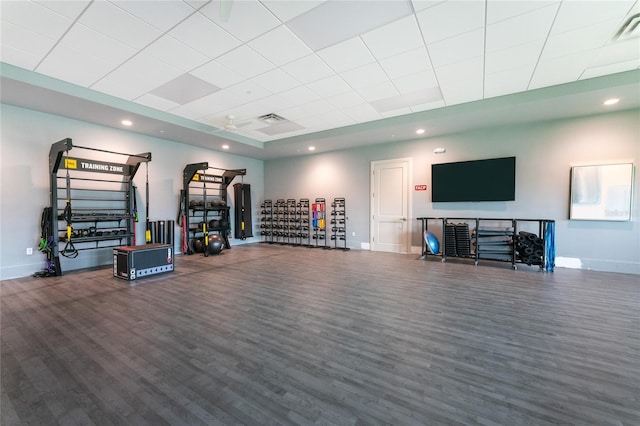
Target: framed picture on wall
{"points": [[601, 192]]}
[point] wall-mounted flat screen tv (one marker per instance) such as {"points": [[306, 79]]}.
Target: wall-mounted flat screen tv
{"points": [[480, 180]]}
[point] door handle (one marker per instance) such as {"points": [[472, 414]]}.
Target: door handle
{"points": [[404, 219]]}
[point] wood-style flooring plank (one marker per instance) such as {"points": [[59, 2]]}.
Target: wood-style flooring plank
{"points": [[270, 334]]}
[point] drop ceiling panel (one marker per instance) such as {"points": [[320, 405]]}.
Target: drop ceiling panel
{"points": [[579, 14], [419, 5], [137, 76], [499, 10], [184, 89], [374, 92], [345, 100], [329, 86], [512, 80], [276, 81], [88, 42], [345, 19], [156, 102], [450, 19], [70, 9], [428, 106], [618, 52], [175, 53], [308, 69], [217, 74], [299, 96], [289, 9], [280, 46], [521, 29], [218, 102], [245, 19], [513, 57], [164, 15], [556, 70], [35, 18], [198, 32], [585, 38], [22, 47], [459, 48], [406, 63], [101, 16], [245, 61], [602, 70], [416, 82], [347, 55], [394, 38], [56, 64], [462, 81], [247, 91], [361, 113], [367, 75]]}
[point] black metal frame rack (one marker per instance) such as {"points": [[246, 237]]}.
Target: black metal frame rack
{"points": [[497, 239], [204, 199], [266, 221], [319, 222], [94, 210], [339, 223]]}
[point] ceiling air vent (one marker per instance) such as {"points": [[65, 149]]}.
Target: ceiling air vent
{"points": [[271, 118], [630, 28]]}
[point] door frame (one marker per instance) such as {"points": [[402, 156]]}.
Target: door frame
{"points": [[373, 163]]}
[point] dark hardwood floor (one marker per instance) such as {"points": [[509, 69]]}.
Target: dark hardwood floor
{"points": [[267, 334]]}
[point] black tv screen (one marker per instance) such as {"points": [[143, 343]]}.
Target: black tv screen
{"points": [[481, 180]]}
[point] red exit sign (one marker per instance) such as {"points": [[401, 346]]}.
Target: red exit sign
{"points": [[421, 187]]}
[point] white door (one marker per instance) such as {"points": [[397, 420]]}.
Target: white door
{"points": [[390, 205]]}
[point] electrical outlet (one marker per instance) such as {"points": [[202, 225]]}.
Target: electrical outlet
{"points": [[353, 234], [29, 251]]}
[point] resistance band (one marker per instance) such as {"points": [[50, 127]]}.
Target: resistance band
{"points": [[242, 234], [69, 249], [204, 214]]}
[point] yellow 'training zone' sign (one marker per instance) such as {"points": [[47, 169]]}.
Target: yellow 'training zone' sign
{"points": [[70, 163]]}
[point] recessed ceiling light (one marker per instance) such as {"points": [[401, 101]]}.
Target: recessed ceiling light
{"points": [[611, 101], [312, 148], [225, 146], [419, 131], [126, 122]]}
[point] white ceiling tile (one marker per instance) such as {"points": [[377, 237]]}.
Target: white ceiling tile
{"points": [[316, 107], [346, 19], [73, 66], [199, 32], [70, 9], [217, 74], [329, 86], [378, 91], [114, 22], [521, 29], [22, 47], [88, 42], [407, 100], [184, 89], [276, 81], [244, 20], [406, 63], [396, 113], [467, 73], [163, 15], [139, 75], [280, 46], [308, 69], [207, 106], [248, 91], [347, 55], [394, 38], [361, 113], [175, 53], [419, 5], [156, 102], [299, 96], [245, 61], [367, 75], [421, 80], [449, 19], [345, 100], [289, 9], [561, 70], [499, 10], [507, 81], [578, 14], [35, 18], [610, 69], [513, 57], [585, 38], [619, 51], [458, 48], [428, 106], [465, 91], [292, 113]]}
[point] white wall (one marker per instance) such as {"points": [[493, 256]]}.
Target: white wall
{"points": [[544, 154], [24, 150]]}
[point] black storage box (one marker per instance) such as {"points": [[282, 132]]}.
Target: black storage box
{"points": [[132, 262]]}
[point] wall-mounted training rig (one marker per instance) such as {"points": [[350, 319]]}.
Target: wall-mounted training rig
{"points": [[205, 212], [95, 212]]}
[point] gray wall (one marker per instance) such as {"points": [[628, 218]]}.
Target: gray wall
{"points": [[26, 139], [545, 153]]}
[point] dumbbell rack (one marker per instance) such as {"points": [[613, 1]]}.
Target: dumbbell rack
{"points": [[279, 221], [339, 223], [266, 221], [302, 224]]}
